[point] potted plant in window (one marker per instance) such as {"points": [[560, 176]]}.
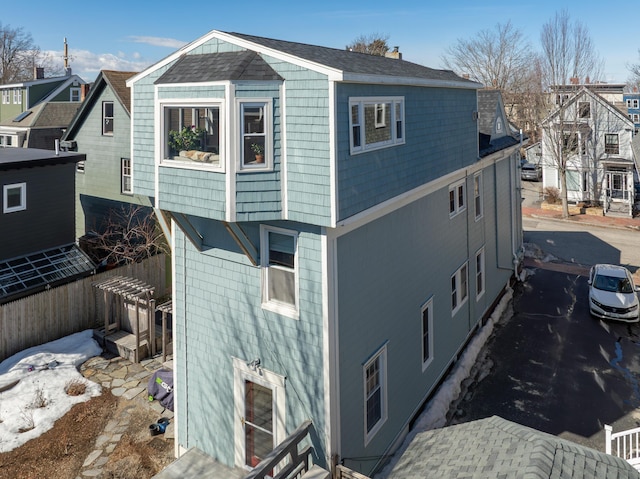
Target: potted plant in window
{"points": [[189, 138], [258, 149]]}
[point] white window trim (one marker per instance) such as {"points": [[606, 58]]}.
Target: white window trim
{"points": [[457, 276], [478, 199], [6, 97], [161, 141], [123, 176], [104, 104], [267, 103], [458, 208], [17, 96], [382, 355], [483, 274], [360, 102], [77, 91], [291, 311], [23, 197], [429, 307]]}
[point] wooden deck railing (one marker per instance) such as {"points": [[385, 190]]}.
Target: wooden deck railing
{"points": [[624, 444], [346, 473]]}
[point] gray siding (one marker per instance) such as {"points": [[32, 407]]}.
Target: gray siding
{"points": [[441, 137], [101, 179], [387, 270], [48, 220]]}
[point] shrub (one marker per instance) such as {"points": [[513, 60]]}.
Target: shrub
{"points": [[75, 387], [552, 195]]}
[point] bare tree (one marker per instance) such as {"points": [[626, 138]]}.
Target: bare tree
{"points": [[18, 55], [634, 81], [130, 234], [373, 44], [498, 58], [568, 59]]}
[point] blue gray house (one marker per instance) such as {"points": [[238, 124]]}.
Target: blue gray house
{"points": [[337, 238]]}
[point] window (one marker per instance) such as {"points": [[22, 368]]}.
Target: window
{"points": [[6, 96], [279, 263], [107, 118], [80, 167], [376, 123], [127, 185], [611, 144], [632, 103], [636, 118], [480, 273], [14, 197], [192, 134], [477, 195], [570, 142], [17, 96], [459, 288], [427, 334], [74, 94], [375, 394], [498, 125], [256, 127], [457, 196], [573, 180], [584, 109]]}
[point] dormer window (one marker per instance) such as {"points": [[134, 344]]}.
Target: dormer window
{"points": [[498, 125]]}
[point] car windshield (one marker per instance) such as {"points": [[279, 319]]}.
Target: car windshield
{"points": [[612, 284]]}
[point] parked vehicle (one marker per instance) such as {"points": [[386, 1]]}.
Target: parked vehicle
{"points": [[531, 171], [612, 293]]}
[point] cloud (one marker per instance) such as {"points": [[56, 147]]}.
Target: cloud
{"points": [[88, 64], [159, 41]]}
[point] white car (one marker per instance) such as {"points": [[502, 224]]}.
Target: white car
{"points": [[612, 293]]}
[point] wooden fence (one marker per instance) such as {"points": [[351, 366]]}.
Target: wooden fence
{"points": [[68, 309]]}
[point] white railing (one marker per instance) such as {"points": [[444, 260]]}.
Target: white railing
{"points": [[624, 444]]}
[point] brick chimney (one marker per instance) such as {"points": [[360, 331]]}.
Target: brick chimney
{"points": [[38, 73], [574, 80]]}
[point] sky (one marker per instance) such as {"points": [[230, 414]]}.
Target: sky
{"points": [[132, 35]]}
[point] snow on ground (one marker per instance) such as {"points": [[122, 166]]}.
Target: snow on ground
{"points": [[435, 412], [42, 373]]}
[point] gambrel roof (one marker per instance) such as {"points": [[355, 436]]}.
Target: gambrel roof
{"points": [[339, 65]]}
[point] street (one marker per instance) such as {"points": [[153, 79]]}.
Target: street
{"points": [[551, 366]]}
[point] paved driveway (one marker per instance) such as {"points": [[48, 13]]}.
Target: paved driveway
{"points": [[551, 366]]}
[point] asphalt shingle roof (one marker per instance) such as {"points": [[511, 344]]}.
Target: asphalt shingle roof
{"points": [[244, 65], [117, 80], [354, 62], [496, 448]]}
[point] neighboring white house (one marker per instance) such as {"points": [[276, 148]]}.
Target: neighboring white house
{"points": [[596, 137]]}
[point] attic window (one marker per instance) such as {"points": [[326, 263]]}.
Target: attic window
{"points": [[498, 125], [584, 109]]}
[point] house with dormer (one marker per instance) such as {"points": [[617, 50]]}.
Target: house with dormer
{"points": [[22, 102], [337, 238], [593, 137]]}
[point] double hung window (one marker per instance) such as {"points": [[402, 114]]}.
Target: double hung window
{"points": [[375, 123], [17, 96], [126, 176], [480, 280], [459, 288], [427, 333], [107, 118], [375, 393], [477, 195], [279, 263], [457, 198], [611, 145], [584, 109], [256, 130]]}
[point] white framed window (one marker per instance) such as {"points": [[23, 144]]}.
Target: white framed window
{"points": [[633, 103], [498, 125], [375, 123], [107, 118], [477, 195], [256, 127], [6, 97], [427, 333], [374, 375], [457, 198], [584, 109], [192, 134], [459, 288], [17, 96], [74, 94], [480, 272], [636, 118], [611, 144], [80, 167], [126, 185], [14, 197], [279, 261]]}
